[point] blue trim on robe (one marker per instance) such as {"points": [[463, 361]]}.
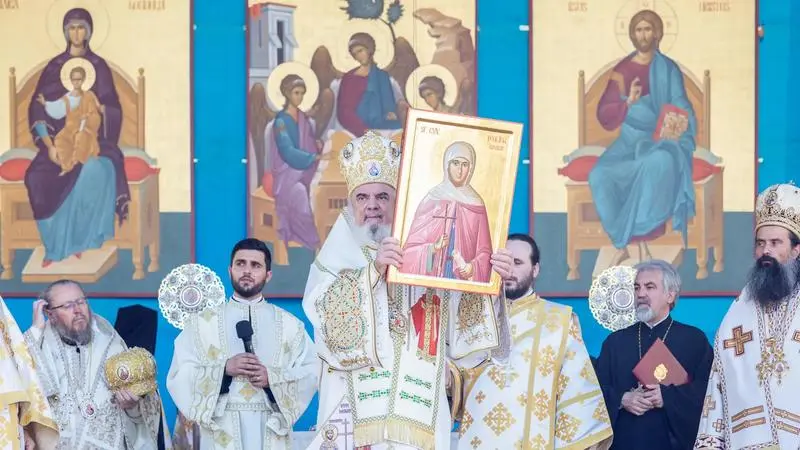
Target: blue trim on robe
{"points": [[451, 244], [637, 183], [378, 101], [287, 138], [86, 218]]}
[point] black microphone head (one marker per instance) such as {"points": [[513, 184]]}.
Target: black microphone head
{"points": [[244, 330]]}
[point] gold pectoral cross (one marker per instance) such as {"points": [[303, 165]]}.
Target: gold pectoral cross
{"points": [[773, 363]]}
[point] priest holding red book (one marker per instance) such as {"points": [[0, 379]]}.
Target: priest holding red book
{"points": [[654, 373]]}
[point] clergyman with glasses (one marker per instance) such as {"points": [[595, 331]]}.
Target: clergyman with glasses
{"points": [[662, 415], [94, 409]]}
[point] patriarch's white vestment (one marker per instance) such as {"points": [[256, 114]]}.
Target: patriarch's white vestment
{"points": [[385, 348]]}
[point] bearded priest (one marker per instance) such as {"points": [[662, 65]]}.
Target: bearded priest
{"points": [[244, 371], [73, 350], [547, 396], [387, 349], [751, 401]]}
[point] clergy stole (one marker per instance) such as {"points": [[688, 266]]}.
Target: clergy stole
{"points": [[751, 399], [389, 343], [78, 392], [244, 418], [546, 396], [412, 386]]}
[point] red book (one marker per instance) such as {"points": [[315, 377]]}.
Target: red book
{"points": [[672, 123], [659, 366]]}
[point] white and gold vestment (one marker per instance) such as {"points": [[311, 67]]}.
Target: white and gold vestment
{"points": [[545, 397], [386, 348], [243, 418], [22, 400], [751, 399], [78, 392]]}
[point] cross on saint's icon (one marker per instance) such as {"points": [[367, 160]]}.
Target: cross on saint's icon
{"points": [[738, 340], [447, 228]]}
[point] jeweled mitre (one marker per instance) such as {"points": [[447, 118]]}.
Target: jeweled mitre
{"points": [[133, 370], [371, 158], [779, 205]]}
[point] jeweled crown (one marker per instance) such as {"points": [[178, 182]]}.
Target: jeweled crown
{"points": [[779, 205], [133, 370], [371, 158]]}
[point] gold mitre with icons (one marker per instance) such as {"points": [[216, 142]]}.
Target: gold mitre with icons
{"points": [[370, 158], [133, 370], [779, 205], [612, 298]]}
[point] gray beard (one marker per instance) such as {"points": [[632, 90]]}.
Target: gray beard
{"points": [[73, 337], [372, 234], [369, 234], [645, 313]]}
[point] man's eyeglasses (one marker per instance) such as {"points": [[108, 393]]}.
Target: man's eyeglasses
{"points": [[69, 305]]}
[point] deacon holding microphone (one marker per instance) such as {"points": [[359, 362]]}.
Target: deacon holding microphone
{"points": [[244, 371]]}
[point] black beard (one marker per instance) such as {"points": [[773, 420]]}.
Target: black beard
{"points": [[248, 292], [771, 282], [521, 289]]}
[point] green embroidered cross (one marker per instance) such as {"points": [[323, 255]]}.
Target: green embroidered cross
{"points": [[374, 375], [377, 393], [418, 382], [415, 399]]}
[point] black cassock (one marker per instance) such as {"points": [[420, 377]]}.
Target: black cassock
{"points": [[674, 426]]}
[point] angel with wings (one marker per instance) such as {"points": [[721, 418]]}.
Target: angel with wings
{"points": [[366, 97], [434, 87], [292, 148]]}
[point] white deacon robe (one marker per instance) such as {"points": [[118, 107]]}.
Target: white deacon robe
{"points": [[385, 349], [546, 396], [75, 383], [244, 418], [746, 404]]}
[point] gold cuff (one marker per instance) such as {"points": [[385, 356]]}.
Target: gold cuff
{"points": [[456, 391]]}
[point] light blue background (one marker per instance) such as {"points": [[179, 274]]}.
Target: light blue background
{"points": [[503, 67]]}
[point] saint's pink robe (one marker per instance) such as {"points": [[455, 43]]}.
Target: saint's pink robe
{"points": [[472, 239]]}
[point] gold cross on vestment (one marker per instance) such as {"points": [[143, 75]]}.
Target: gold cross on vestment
{"points": [[796, 336], [708, 405], [738, 340]]}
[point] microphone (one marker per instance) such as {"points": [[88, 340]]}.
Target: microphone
{"points": [[245, 332]]}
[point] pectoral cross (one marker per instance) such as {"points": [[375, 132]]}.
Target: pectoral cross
{"points": [[447, 228], [738, 340]]}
